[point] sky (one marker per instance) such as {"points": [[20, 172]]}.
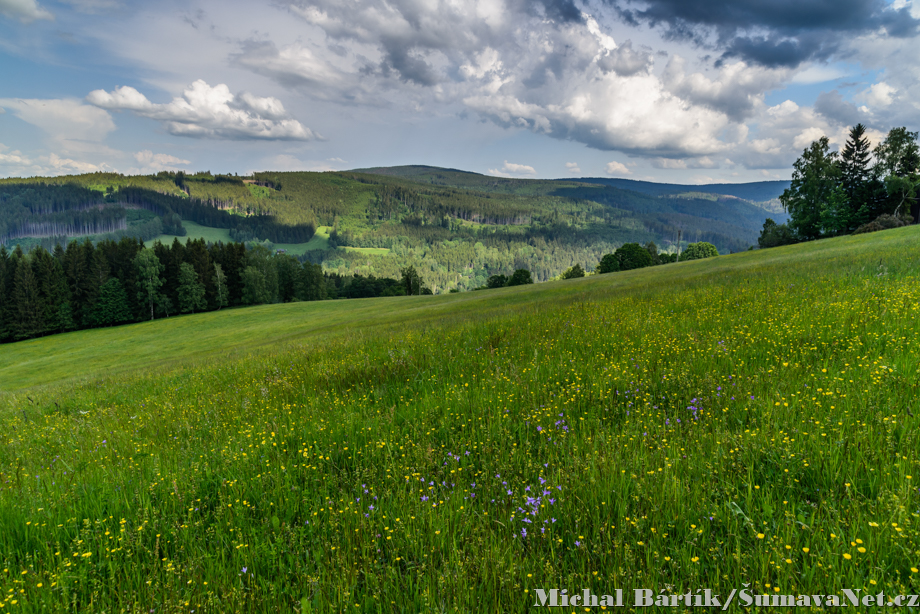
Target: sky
{"points": [[681, 91]]}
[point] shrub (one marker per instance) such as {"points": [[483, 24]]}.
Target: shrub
{"points": [[883, 222], [774, 235], [608, 264], [573, 272], [520, 278], [696, 251], [633, 256]]}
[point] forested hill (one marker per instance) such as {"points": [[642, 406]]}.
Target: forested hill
{"points": [[758, 191], [457, 228]]}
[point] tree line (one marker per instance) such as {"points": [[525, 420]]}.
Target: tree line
{"points": [[242, 228], [857, 189], [87, 285], [627, 257]]}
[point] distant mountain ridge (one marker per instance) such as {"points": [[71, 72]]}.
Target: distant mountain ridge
{"points": [[757, 191]]}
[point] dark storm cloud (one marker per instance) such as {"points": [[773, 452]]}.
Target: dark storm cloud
{"points": [[558, 10], [410, 67], [837, 110], [780, 33]]}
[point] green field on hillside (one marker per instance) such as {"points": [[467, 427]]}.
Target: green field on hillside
{"points": [[743, 419], [193, 232]]}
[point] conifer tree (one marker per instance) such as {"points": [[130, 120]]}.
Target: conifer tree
{"points": [[28, 304], [855, 175], [111, 305], [5, 298]]}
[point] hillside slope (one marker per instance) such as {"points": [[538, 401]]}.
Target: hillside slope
{"points": [[456, 228], [746, 419]]}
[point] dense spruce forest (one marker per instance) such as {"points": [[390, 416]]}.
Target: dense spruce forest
{"points": [[92, 285], [87, 285]]}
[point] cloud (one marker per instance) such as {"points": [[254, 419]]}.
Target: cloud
{"points": [[735, 90], [818, 73], [510, 169], [158, 162], [210, 112], [835, 109], [67, 121], [25, 11], [93, 6], [296, 65], [517, 64], [617, 168], [880, 94], [681, 164], [573, 167], [624, 61], [783, 33], [16, 164]]}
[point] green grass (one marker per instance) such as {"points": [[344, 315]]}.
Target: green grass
{"points": [[194, 231], [744, 419], [320, 240], [213, 235]]}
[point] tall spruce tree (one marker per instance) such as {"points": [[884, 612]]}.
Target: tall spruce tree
{"points": [[54, 290], [29, 305], [111, 305], [855, 178]]}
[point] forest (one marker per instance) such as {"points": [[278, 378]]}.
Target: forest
{"points": [[455, 228], [87, 285], [855, 190]]}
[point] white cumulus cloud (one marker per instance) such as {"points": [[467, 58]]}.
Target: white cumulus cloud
{"points": [[210, 112], [510, 169], [573, 167], [158, 161], [617, 168], [13, 163]]}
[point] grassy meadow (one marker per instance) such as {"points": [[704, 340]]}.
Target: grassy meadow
{"points": [[744, 419]]}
